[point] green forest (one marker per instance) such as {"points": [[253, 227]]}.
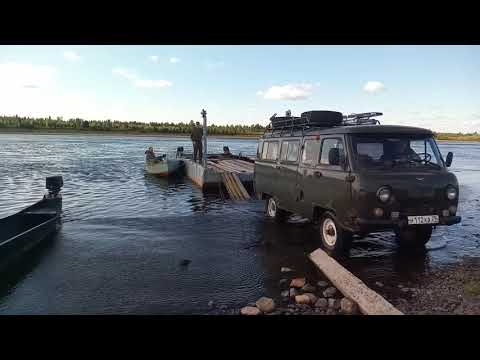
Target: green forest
{"points": [[58, 123], [52, 124]]}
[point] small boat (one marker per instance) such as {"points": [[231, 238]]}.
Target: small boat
{"points": [[24, 230], [163, 166]]}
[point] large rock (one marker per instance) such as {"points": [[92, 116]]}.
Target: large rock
{"points": [[265, 304], [312, 297], [348, 307], [250, 310], [329, 292], [307, 288], [302, 299], [321, 303], [334, 304], [298, 283]]}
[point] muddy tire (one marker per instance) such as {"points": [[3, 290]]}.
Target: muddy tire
{"points": [[335, 239], [272, 211], [413, 236]]}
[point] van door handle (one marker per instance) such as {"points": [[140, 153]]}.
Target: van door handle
{"points": [[318, 173]]}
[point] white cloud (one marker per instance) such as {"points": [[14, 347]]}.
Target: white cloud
{"points": [[287, 92], [17, 76], [174, 60], [138, 82], [373, 87], [153, 58], [72, 56]]}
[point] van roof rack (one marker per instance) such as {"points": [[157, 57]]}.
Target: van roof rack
{"points": [[291, 123], [361, 119]]}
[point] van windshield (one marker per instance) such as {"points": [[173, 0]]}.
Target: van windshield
{"points": [[392, 151]]}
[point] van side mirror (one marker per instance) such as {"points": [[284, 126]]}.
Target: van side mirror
{"points": [[449, 159]]}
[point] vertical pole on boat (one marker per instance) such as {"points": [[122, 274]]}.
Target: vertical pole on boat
{"points": [[204, 116]]}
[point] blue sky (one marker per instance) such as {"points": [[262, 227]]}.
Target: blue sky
{"points": [[430, 86]]}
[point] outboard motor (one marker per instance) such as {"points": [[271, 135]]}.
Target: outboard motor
{"points": [[54, 185]]}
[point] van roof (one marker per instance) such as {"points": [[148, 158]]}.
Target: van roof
{"points": [[355, 129]]}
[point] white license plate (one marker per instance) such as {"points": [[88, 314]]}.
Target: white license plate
{"points": [[427, 219]]}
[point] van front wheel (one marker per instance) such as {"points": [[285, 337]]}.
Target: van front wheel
{"points": [[273, 211], [335, 240]]}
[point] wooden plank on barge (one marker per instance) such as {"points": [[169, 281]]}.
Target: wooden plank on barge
{"points": [[369, 302], [240, 186], [228, 184], [228, 168], [235, 187], [242, 164]]}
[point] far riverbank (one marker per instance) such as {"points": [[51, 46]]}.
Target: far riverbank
{"points": [[116, 133]]}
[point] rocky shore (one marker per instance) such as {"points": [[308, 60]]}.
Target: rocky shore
{"points": [[298, 297], [448, 290]]}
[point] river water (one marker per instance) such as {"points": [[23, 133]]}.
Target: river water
{"points": [[125, 233]]}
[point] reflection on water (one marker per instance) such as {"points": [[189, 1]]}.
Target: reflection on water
{"points": [[125, 232]]}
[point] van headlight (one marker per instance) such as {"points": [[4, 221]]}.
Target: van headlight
{"points": [[451, 192], [384, 194]]}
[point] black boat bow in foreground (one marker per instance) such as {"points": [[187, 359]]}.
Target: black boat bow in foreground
{"points": [[22, 231]]}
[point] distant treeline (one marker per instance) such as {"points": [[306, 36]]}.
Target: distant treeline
{"points": [[27, 123], [16, 122], [458, 136]]}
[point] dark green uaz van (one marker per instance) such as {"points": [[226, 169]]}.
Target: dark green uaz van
{"points": [[351, 175]]}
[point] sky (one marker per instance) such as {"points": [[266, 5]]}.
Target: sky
{"points": [[436, 87]]}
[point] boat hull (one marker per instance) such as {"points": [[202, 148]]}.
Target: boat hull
{"points": [[23, 231], [163, 167]]}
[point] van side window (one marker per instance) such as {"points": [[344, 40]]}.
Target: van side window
{"points": [[264, 150], [272, 151], [292, 154], [289, 151], [283, 152], [259, 148], [310, 152], [328, 153]]}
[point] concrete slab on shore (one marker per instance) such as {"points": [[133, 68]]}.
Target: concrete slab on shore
{"points": [[369, 302]]}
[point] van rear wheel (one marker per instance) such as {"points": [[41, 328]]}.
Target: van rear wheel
{"points": [[413, 236], [273, 211], [335, 240]]}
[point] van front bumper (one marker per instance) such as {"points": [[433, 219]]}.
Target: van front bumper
{"points": [[364, 224]]}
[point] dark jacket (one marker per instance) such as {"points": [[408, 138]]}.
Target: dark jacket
{"points": [[197, 134]]}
